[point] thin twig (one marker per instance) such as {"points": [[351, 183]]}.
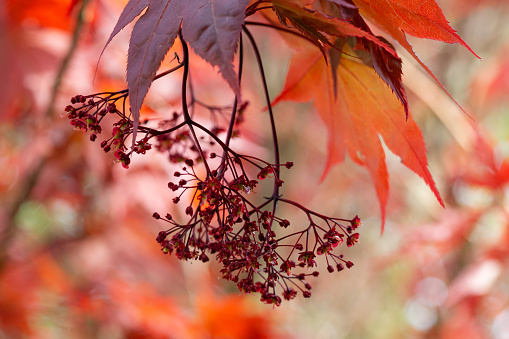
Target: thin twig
{"points": [[187, 118], [67, 58], [269, 107]]}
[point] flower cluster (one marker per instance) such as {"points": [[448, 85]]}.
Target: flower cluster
{"points": [[255, 247], [226, 221], [87, 112]]}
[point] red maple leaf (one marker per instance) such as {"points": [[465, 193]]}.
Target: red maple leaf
{"points": [[344, 21], [422, 19], [364, 109]]}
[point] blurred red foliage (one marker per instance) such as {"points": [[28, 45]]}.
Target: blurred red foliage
{"points": [[77, 252]]}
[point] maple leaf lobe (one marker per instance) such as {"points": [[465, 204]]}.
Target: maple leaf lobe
{"points": [[423, 19], [212, 29], [153, 35], [355, 119]]}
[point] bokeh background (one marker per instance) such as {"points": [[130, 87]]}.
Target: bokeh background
{"points": [[78, 257]]}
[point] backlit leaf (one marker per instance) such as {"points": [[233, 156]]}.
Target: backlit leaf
{"points": [[318, 26], [385, 64], [423, 19], [364, 110], [153, 35], [212, 28], [130, 12]]}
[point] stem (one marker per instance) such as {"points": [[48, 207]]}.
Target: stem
{"points": [[125, 92], [187, 118], [275, 193], [307, 211], [154, 132], [287, 30], [168, 71], [234, 108], [252, 8], [231, 125], [283, 29], [213, 136]]}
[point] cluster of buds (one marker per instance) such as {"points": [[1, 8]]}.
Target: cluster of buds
{"points": [[83, 118], [258, 250], [87, 112]]}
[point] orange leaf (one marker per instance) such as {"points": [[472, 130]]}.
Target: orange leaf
{"points": [[364, 109], [423, 19]]}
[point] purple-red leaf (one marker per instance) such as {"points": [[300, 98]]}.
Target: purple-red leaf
{"points": [[318, 27], [389, 69], [212, 28], [152, 37], [131, 11]]}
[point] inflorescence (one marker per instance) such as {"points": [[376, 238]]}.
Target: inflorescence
{"points": [[226, 220]]}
